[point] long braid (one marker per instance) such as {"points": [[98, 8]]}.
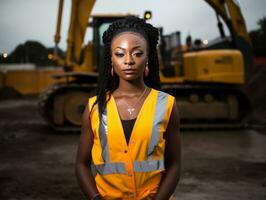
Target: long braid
{"points": [[107, 82]]}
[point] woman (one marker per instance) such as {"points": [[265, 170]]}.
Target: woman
{"points": [[130, 130]]}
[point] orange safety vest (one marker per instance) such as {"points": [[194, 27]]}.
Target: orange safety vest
{"points": [[133, 170]]}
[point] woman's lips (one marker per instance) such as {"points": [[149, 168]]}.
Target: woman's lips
{"points": [[129, 71]]}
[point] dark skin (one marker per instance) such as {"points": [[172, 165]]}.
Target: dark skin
{"points": [[129, 58]]}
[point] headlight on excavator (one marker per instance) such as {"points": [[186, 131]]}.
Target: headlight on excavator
{"points": [[147, 15]]}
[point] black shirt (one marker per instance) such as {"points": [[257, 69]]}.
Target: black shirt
{"points": [[128, 126]]}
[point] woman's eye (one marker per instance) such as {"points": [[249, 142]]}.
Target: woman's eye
{"points": [[119, 54], [138, 54]]}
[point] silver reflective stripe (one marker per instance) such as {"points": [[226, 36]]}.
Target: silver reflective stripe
{"points": [[111, 168], [103, 137], [159, 116], [148, 166]]}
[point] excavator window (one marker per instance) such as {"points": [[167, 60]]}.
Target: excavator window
{"points": [[100, 24], [103, 28]]}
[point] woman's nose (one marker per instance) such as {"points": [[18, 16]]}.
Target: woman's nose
{"points": [[128, 59]]}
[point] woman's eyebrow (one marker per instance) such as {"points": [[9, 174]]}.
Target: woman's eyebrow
{"points": [[135, 47], [120, 48]]}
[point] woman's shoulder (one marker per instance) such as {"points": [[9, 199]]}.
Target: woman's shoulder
{"points": [[163, 93], [91, 102], [92, 99]]}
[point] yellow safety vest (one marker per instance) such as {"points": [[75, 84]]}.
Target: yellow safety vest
{"points": [[133, 170]]}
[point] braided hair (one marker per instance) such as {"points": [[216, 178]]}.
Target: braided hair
{"points": [[107, 82]]}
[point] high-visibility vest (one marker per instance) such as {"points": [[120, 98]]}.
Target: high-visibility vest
{"points": [[133, 170]]}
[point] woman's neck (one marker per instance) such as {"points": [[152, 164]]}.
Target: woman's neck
{"points": [[130, 87]]}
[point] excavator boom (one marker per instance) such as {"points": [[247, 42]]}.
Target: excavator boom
{"points": [[80, 13], [230, 11]]}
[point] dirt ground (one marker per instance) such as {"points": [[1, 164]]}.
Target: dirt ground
{"points": [[38, 163]]}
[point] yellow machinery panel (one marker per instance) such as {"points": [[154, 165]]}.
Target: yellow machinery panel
{"points": [[31, 81], [224, 66]]}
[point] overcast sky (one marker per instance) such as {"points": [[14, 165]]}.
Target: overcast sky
{"points": [[36, 19]]}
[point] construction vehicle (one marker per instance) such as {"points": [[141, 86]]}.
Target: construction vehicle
{"points": [[206, 80]]}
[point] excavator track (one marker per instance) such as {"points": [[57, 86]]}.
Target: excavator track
{"points": [[61, 107], [204, 106]]}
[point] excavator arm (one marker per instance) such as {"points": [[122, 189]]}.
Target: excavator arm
{"points": [[230, 12], [80, 13]]}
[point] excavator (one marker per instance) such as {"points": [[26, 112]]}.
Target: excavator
{"points": [[207, 80]]}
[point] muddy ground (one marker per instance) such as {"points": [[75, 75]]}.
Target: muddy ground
{"points": [[38, 163]]}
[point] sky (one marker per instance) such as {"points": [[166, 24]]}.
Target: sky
{"points": [[36, 19]]}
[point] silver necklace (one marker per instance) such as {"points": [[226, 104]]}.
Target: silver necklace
{"points": [[131, 109]]}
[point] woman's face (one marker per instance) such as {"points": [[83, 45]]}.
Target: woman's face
{"points": [[129, 55]]}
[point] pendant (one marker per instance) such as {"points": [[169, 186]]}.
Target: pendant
{"points": [[131, 110]]}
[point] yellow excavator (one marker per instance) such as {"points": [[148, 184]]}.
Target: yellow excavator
{"points": [[206, 80]]}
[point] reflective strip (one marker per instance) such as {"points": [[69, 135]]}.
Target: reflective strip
{"points": [[111, 168], [139, 166], [103, 137], [159, 116], [147, 166]]}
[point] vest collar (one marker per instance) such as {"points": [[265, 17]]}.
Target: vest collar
{"points": [[116, 120]]}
